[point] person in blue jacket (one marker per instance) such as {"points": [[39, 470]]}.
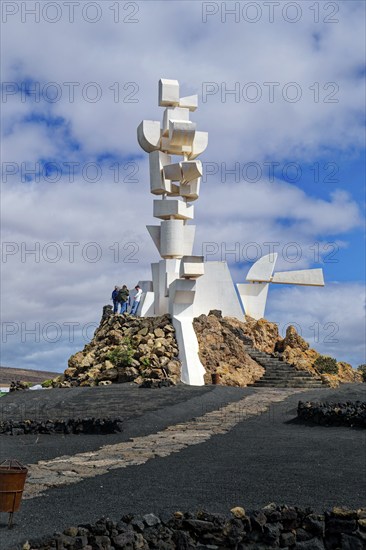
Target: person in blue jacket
{"points": [[115, 299]]}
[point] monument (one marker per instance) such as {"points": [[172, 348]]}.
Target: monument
{"points": [[182, 284]]}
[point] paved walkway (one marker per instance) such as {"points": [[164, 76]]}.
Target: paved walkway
{"points": [[69, 469]]}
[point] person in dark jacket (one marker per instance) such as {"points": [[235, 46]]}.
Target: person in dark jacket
{"points": [[114, 299], [123, 297]]}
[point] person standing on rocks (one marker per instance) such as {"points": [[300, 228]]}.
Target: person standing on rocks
{"points": [[123, 296], [114, 299], [136, 300]]}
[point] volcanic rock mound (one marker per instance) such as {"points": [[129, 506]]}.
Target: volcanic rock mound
{"points": [[125, 349], [144, 350]]}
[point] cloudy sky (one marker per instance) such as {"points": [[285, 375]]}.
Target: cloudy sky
{"points": [[281, 93]]}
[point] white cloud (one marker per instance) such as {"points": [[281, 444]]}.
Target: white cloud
{"points": [[331, 319], [170, 40]]}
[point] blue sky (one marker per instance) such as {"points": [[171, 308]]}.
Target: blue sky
{"points": [[75, 183]]}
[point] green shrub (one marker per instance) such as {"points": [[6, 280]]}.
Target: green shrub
{"points": [[326, 365], [362, 370], [47, 383], [122, 355], [145, 362]]}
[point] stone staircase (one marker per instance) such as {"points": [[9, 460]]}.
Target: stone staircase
{"points": [[280, 374]]}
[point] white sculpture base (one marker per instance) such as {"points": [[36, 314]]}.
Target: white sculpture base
{"points": [[185, 299]]}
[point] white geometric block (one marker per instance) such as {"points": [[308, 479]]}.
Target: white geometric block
{"points": [[173, 172], [180, 233], [263, 268], [191, 190], [192, 369], [170, 277], [168, 92], [146, 308], [172, 239], [262, 271], [190, 101], [181, 297], [155, 279], [181, 132], [158, 184], [189, 233], [216, 290], [149, 135], [182, 291], [199, 144], [171, 270], [147, 305], [167, 209], [146, 286], [167, 147], [154, 231], [159, 271], [171, 114], [253, 297], [308, 277], [184, 172], [191, 170], [192, 267]]}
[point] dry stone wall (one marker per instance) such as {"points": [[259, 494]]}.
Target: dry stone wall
{"points": [[287, 527]]}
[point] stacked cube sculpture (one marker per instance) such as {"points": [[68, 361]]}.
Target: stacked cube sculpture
{"points": [[178, 185]]}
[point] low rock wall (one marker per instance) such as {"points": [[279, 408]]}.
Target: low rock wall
{"points": [[333, 414], [70, 426], [271, 527]]}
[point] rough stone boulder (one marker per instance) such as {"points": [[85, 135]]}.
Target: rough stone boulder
{"points": [[222, 350], [125, 349], [296, 351], [263, 333], [346, 375]]}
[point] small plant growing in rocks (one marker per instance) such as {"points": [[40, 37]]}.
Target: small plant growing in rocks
{"points": [[122, 356], [362, 370], [326, 365], [47, 383]]}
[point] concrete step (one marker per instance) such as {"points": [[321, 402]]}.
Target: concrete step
{"points": [[294, 380], [281, 374], [277, 372], [289, 379], [289, 372], [289, 384], [269, 360]]}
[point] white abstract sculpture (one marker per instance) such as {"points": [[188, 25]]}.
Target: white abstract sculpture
{"points": [[254, 295], [174, 284], [183, 285]]}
